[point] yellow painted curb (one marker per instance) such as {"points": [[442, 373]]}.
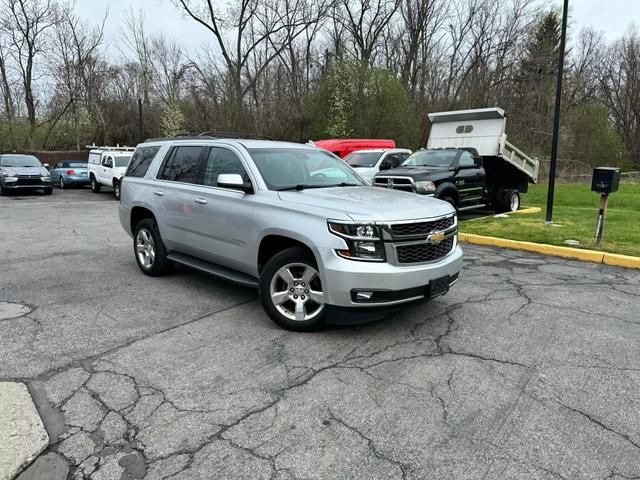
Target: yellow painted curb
{"points": [[527, 210], [621, 260]]}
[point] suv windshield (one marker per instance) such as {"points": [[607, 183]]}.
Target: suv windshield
{"points": [[19, 161], [122, 161], [299, 168], [363, 159], [431, 158]]}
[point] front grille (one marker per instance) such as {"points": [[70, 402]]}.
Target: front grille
{"points": [[423, 252], [404, 184], [422, 228], [27, 181]]}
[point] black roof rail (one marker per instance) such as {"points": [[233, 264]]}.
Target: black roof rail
{"points": [[211, 135]]}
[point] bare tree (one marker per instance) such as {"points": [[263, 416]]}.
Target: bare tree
{"points": [[28, 23]]}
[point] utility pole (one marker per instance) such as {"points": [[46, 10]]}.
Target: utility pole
{"points": [[556, 119]]}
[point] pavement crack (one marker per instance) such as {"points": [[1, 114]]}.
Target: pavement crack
{"points": [[371, 445]]}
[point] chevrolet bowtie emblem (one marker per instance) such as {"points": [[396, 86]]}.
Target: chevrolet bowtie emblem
{"points": [[390, 182], [435, 237]]}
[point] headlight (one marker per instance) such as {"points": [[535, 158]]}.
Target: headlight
{"points": [[425, 187], [46, 178], [363, 240], [7, 174]]}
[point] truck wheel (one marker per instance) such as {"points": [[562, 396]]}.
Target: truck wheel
{"points": [[507, 200], [95, 186], [149, 249], [291, 292], [450, 201], [116, 189]]}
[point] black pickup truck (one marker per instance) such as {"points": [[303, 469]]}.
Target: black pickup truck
{"points": [[459, 176]]}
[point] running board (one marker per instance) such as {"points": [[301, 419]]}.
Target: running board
{"points": [[213, 269], [471, 207]]}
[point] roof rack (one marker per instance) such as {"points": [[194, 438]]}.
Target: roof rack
{"points": [[119, 148], [212, 135]]}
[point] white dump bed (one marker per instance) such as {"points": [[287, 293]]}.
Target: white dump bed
{"points": [[483, 129]]}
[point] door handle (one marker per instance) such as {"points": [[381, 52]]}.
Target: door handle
{"points": [[159, 193], [201, 201]]}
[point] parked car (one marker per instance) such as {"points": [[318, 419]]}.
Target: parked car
{"points": [[292, 220], [369, 162], [469, 163], [70, 173], [23, 172], [344, 146], [106, 167]]}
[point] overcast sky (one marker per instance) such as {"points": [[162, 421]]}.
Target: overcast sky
{"points": [[609, 16]]}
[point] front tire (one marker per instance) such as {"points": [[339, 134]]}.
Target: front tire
{"points": [[95, 186], [450, 201], [116, 189], [149, 249], [291, 291]]}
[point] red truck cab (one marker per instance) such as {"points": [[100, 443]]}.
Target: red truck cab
{"points": [[344, 146]]}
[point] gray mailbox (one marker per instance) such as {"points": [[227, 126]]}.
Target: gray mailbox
{"points": [[605, 179]]}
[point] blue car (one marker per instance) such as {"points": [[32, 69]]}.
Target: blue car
{"points": [[70, 173]]}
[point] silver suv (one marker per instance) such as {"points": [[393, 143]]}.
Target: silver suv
{"points": [[292, 220]]}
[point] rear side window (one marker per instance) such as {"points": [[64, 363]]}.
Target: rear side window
{"points": [[139, 163], [221, 160], [182, 165]]}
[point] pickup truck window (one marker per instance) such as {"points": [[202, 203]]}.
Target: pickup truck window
{"points": [[139, 163], [466, 160], [182, 165], [122, 160], [363, 159], [431, 158], [221, 160], [284, 168]]}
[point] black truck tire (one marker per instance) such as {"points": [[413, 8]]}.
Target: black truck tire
{"points": [[507, 200]]}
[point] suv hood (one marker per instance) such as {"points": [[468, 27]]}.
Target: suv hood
{"points": [[25, 171], [370, 203]]}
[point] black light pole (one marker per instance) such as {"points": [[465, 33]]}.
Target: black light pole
{"points": [[556, 119], [140, 122]]}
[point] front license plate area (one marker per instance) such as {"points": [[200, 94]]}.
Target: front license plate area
{"points": [[439, 286]]}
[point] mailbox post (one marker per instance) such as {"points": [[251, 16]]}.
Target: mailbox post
{"points": [[605, 180]]}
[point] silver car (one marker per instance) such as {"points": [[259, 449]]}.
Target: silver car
{"points": [[23, 172], [292, 220]]}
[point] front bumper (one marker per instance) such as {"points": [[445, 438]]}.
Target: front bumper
{"points": [[397, 284], [13, 183]]}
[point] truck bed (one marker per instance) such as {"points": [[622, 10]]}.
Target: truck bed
{"points": [[520, 160]]}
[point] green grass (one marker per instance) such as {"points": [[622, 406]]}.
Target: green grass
{"points": [[574, 215]]}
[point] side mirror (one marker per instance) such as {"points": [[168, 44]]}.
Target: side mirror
{"points": [[234, 181], [47, 166], [478, 162], [385, 165]]}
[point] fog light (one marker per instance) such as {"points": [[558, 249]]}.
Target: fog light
{"points": [[364, 296]]}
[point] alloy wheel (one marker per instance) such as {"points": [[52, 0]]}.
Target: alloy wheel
{"points": [[296, 292], [145, 248]]}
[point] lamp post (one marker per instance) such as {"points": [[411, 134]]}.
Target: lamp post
{"points": [[556, 119]]}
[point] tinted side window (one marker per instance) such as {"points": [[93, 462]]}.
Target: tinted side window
{"points": [[140, 161], [466, 160], [395, 160], [221, 160], [182, 165]]}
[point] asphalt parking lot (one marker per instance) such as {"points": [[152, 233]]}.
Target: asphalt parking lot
{"points": [[528, 369]]}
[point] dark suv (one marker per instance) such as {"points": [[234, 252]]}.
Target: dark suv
{"points": [[23, 172]]}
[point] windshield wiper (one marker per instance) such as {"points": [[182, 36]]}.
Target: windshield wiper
{"points": [[300, 186]]}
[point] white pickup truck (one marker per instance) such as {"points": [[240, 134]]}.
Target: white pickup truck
{"points": [[106, 166]]}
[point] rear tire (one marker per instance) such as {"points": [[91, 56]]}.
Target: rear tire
{"points": [[507, 200], [62, 185], [95, 186], [149, 249], [293, 273], [116, 189]]}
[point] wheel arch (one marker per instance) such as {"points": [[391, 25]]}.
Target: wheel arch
{"points": [[138, 214], [274, 243], [448, 190]]}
